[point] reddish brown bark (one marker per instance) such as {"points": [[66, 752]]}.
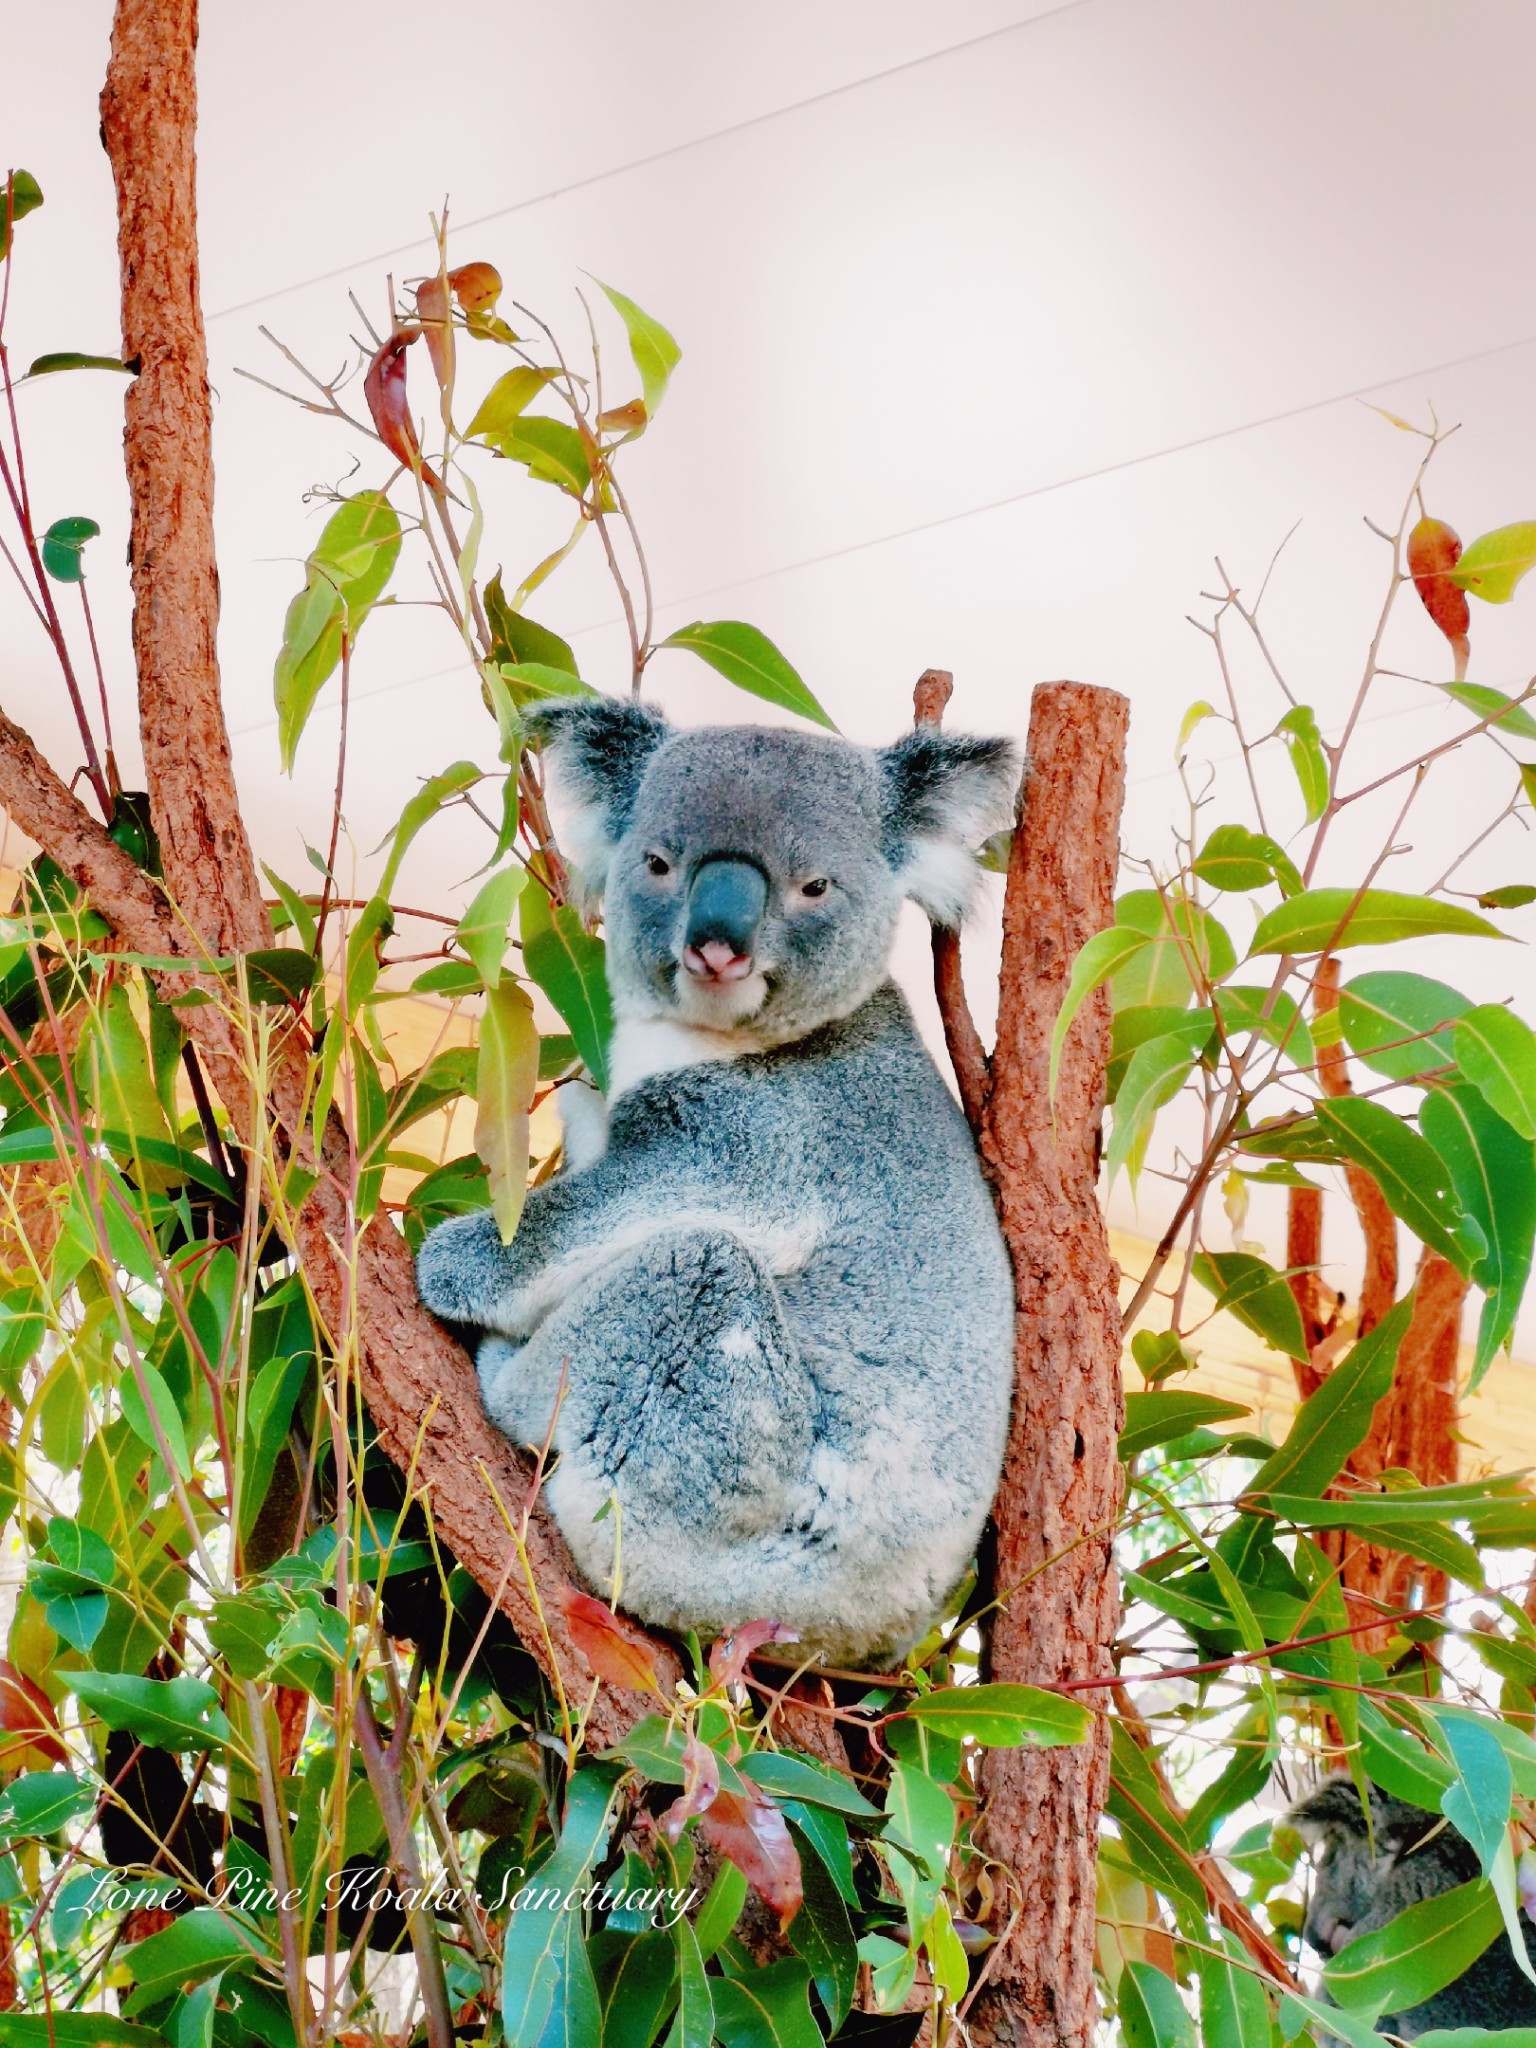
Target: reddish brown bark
{"points": [[1061, 1488], [148, 127]]}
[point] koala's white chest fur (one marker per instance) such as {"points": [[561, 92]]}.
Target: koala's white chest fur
{"points": [[643, 1046]]}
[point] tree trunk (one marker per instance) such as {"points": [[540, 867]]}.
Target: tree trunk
{"points": [[1062, 1480]]}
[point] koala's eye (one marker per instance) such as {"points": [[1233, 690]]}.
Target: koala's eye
{"points": [[818, 885], [658, 864]]}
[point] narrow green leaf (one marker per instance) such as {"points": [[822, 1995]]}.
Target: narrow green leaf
{"points": [[344, 577], [1152, 2014], [721, 1909], [1497, 1053], [71, 359], [172, 1713], [1002, 1716], [1234, 2011], [535, 682], [505, 1078], [568, 964], [1418, 1953], [749, 659], [553, 451], [506, 402], [516, 638], [1327, 920], [1513, 896], [822, 1935], [1331, 1422], [1493, 1171], [1504, 713], [1250, 1289], [637, 1987], [655, 353], [1492, 565], [791, 1777], [1155, 1075], [161, 1406], [1479, 1800], [1409, 1172], [482, 930], [694, 2025], [543, 1940], [434, 793], [1153, 1419], [1100, 958], [1304, 744], [1397, 1022], [767, 2008], [206, 1940]]}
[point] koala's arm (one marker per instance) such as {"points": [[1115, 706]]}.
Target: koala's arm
{"points": [[580, 1222]]}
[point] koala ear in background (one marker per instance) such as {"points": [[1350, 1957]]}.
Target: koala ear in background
{"points": [[1334, 1805], [944, 794], [599, 748]]}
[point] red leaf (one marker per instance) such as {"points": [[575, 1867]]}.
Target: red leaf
{"points": [[701, 1786], [475, 285], [30, 1741], [432, 311], [752, 1833], [389, 404], [1433, 551], [728, 1659], [618, 1652]]}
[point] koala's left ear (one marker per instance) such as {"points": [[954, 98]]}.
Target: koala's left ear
{"points": [[599, 748], [944, 794]]}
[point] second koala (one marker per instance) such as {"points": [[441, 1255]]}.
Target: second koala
{"points": [[770, 1271]]}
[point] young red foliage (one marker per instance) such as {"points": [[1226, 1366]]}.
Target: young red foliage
{"points": [[617, 1651], [752, 1833], [1433, 551]]}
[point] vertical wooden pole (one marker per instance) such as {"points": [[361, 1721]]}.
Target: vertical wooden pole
{"points": [[1062, 1480]]}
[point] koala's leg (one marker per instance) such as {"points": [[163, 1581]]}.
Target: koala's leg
{"points": [[684, 1397]]}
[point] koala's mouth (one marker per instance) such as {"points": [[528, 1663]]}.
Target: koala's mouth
{"points": [[721, 1004]]}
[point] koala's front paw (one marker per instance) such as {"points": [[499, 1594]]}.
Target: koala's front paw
{"points": [[461, 1268]]}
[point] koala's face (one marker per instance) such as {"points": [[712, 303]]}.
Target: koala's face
{"points": [[751, 878], [749, 886]]}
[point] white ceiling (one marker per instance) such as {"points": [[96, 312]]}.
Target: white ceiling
{"points": [[999, 321]]}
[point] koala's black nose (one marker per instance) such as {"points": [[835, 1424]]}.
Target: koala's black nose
{"points": [[725, 907]]}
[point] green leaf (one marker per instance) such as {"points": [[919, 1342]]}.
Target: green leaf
{"points": [[536, 682], [553, 451], [1197, 713], [828, 1836], [201, 1942], [506, 401], [1327, 2021], [1514, 896], [636, 1985], [1003, 1716], [280, 975], [1304, 744], [1327, 920], [1234, 2012], [1398, 1764], [40, 1802], [1153, 1419], [568, 964], [545, 1958], [749, 659], [1491, 566], [1394, 1022], [1409, 1172], [57, 2029], [1418, 1953], [344, 577], [1478, 1802], [694, 2024], [1101, 957], [1333, 1421], [1330, 1617], [656, 354], [482, 930], [171, 1713], [1250, 1289], [1158, 1355], [1493, 1171], [434, 793], [19, 196], [767, 2008], [1152, 2014], [822, 1935], [1156, 1074], [71, 359], [1273, 1014], [721, 1909], [1495, 1520], [516, 639], [1189, 950], [64, 546], [921, 1816], [1242, 1779], [1503, 713], [1237, 859], [1497, 1053], [163, 1406], [505, 1079], [791, 1777]]}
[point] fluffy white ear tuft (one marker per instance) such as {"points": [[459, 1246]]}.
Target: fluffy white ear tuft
{"points": [[944, 794], [598, 749], [939, 874]]}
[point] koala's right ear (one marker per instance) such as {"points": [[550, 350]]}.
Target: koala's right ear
{"points": [[599, 748]]}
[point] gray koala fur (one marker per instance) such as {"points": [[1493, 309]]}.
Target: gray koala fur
{"points": [[1366, 1877], [771, 1270]]}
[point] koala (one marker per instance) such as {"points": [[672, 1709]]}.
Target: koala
{"points": [[765, 1306], [1364, 1878]]}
